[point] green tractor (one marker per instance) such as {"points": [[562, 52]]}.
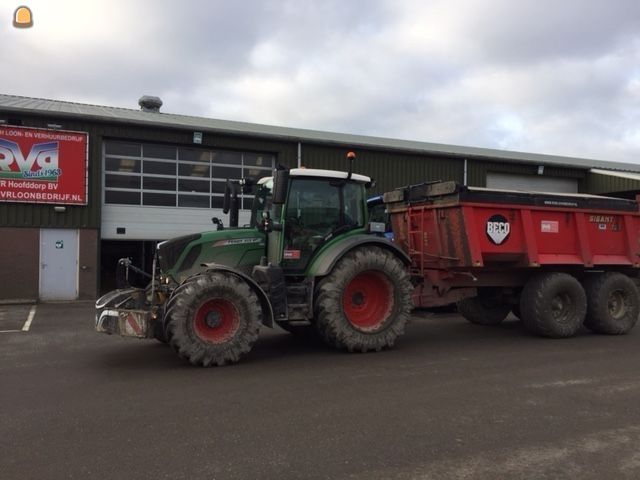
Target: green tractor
{"points": [[310, 261]]}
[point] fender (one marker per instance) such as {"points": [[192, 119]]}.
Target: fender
{"points": [[267, 310], [325, 261]]}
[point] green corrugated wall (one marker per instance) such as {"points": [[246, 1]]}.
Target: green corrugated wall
{"points": [[598, 183], [389, 169]]}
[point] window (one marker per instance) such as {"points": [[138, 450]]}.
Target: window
{"points": [[123, 148], [158, 168], [122, 181], [163, 175], [314, 213]]}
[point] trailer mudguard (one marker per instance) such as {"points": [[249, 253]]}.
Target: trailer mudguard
{"points": [[325, 261], [267, 310]]}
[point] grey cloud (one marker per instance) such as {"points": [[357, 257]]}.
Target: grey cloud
{"points": [[550, 77]]}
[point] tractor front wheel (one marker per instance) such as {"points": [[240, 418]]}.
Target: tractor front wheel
{"points": [[213, 319], [365, 302]]}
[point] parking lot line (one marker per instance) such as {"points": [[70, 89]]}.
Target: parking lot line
{"points": [[10, 331], [27, 324]]}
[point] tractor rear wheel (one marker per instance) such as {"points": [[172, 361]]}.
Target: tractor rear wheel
{"points": [[613, 303], [485, 309], [553, 305], [365, 302], [213, 319]]}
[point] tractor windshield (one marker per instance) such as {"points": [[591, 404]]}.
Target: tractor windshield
{"points": [[262, 201], [317, 210]]}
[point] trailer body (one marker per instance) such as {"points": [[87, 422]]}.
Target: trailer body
{"points": [[462, 238]]}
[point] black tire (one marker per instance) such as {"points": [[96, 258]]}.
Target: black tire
{"points": [[553, 305], [159, 332], [213, 319], [164, 333], [613, 303], [485, 309], [365, 302]]}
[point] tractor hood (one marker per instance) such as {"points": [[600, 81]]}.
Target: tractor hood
{"points": [[183, 256]]}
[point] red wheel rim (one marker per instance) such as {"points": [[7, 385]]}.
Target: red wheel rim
{"points": [[217, 321], [368, 300]]}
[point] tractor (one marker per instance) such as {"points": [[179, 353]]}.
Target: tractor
{"points": [[310, 262]]}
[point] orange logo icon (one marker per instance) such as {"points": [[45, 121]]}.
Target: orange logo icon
{"points": [[22, 17]]}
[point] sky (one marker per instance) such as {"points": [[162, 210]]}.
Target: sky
{"points": [[558, 77]]}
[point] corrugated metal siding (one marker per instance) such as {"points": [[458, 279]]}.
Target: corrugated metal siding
{"points": [[30, 215], [477, 172], [597, 183], [389, 169]]}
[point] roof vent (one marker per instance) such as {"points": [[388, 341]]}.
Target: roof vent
{"points": [[149, 103]]}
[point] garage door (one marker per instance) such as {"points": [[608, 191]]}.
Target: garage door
{"points": [[531, 183]]}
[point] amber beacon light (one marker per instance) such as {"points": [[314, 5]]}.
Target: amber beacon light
{"points": [[22, 17]]}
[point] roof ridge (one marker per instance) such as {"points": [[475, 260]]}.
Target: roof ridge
{"points": [[304, 134], [137, 110]]}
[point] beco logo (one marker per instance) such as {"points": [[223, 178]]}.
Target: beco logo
{"points": [[41, 162], [498, 229]]}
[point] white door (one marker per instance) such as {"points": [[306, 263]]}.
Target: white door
{"points": [[58, 264]]}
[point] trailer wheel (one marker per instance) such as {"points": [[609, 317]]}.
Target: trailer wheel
{"points": [[213, 319], [613, 303], [553, 305], [485, 309], [365, 302]]}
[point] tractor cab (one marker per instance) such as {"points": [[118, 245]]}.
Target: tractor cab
{"points": [[302, 210]]}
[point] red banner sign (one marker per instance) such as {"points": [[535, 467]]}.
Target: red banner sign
{"points": [[43, 166]]}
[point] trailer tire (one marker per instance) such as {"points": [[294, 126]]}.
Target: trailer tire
{"points": [[553, 305], [613, 303], [365, 302], [485, 309], [213, 319]]}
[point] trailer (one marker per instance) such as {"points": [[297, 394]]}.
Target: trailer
{"points": [[556, 260]]}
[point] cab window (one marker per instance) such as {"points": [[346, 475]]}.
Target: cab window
{"points": [[316, 208]]}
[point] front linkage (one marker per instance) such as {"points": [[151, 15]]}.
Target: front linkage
{"points": [[133, 312]]}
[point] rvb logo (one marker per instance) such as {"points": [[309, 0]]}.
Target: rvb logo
{"points": [[498, 229], [41, 162]]}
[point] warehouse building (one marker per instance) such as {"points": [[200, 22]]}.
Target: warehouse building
{"points": [[83, 185]]}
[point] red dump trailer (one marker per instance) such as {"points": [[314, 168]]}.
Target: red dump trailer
{"points": [[557, 261]]}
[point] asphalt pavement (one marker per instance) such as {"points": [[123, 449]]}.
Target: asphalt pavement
{"points": [[452, 400]]}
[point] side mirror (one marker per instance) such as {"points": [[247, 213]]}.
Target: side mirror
{"points": [[280, 184]]}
